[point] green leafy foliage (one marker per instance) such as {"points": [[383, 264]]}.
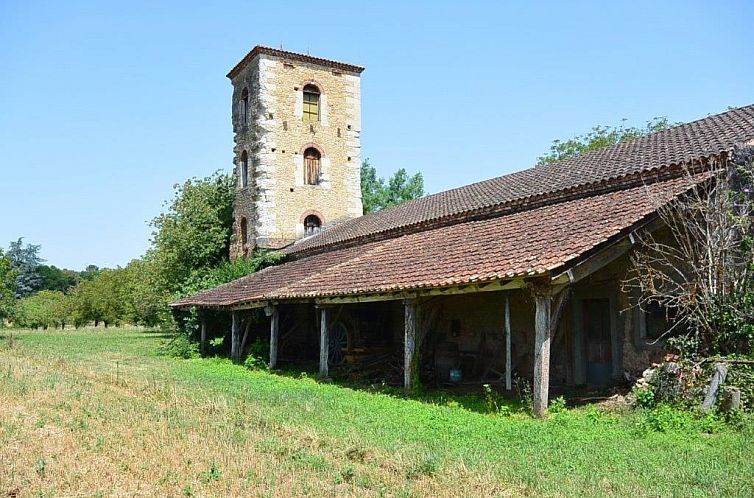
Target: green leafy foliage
{"points": [[378, 194], [741, 375], [54, 278], [194, 233], [665, 418], [44, 309], [179, 346], [598, 137], [258, 353], [227, 271], [558, 405], [7, 287], [645, 396]]}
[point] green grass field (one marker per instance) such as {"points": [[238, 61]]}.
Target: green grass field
{"points": [[95, 413]]}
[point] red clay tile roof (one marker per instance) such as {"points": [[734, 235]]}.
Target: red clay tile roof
{"points": [[615, 166], [284, 54], [523, 244]]}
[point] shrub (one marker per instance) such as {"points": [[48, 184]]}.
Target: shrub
{"points": [[180, 347], [644, 395], [664, 418], [213, 474], [254, 363]]}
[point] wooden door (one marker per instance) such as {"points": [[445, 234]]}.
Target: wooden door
{"points": [[597, 334]]}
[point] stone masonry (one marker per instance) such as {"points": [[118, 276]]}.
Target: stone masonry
{"points": [[276, 199]]}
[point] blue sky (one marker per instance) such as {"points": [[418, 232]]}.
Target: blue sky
{"points": [[105, 105]]}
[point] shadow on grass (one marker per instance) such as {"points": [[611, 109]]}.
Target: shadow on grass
{"points": [[470, 397]]}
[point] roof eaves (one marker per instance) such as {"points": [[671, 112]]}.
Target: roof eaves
{"points": [[295, 56]]}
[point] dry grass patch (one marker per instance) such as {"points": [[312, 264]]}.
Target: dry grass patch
{"points": [[74, 430]]}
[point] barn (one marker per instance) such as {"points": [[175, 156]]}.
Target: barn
{"points": [[518, 275]]}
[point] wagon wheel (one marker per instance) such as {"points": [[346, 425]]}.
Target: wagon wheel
{"points": [[338, 344]]}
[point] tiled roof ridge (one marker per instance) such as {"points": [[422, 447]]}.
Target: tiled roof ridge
{"points": [[680, 145], [285, 54], [525, 244], [646, 177]]}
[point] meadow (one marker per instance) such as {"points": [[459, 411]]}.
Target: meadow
{"points": [[102, 413]]}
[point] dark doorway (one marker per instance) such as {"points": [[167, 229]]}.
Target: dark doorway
{"points": [[599, 358]]}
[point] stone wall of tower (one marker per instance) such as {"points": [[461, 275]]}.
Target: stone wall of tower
{"points": [[277, 200]]}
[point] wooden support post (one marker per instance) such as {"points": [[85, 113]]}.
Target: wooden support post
{"points": [[235, 337], [410, 365], [274, 325], [203, 337], [541, 353], [324, 343], [508, 373]]}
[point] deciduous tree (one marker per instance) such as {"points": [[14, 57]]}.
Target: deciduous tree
{"points": [[7, 288], [195, 231], [598, 137], [377, 194]]}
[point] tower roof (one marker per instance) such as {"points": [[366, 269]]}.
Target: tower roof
{"points": [[294, 56]]}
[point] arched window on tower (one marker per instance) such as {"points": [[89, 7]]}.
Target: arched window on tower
{"points": [[311, 103], [244, 169], [312, 224], [311, 166], [244, 107], [244, 236]]}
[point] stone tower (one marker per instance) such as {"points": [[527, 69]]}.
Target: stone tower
{"points": [[297, 153]]}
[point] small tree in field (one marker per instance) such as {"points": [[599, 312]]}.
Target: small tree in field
{"points": [[701, 270], [7, 288]]}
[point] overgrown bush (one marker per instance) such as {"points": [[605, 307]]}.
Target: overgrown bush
{"points": [[682, 383], [664, 418], [180, 347]]}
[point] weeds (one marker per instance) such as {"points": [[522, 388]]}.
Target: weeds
{"points": [[558, 405], [425, 467], [213, 474], [40, 467], [525, 394]]}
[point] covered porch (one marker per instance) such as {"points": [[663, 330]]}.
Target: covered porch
{"points": [[482, 300], [554, 332]]}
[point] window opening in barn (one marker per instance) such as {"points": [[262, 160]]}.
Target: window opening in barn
{"points": [[657, 320], [311, 103], [311, 166]]}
